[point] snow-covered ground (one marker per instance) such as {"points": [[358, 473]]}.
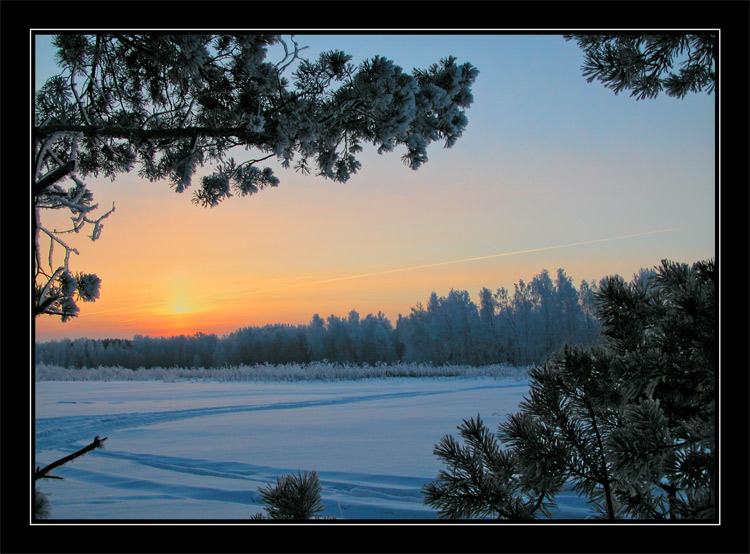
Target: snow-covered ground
{"points": [[201, 449]]}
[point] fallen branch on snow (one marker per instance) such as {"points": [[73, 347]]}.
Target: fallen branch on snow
{"points": [[42, 473]]}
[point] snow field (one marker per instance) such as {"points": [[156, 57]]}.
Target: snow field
{"points": [[201, 449]]}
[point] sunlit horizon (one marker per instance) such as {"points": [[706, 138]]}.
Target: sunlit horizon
{"points": [[196, 304], [189, 315]]}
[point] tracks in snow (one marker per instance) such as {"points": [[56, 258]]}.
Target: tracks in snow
{"points": [[344, 494], [56, 433]]}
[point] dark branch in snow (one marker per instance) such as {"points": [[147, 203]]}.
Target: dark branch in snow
{"points": [[43, 473]]}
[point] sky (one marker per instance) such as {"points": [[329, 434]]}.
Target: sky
{"points": [[551, 172]]}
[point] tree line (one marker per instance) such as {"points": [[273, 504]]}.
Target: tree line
{"points": [[518, 328]]}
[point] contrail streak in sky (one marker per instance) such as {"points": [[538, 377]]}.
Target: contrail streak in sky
{"points": [[246, 292], [464, 260], [436, 264]]}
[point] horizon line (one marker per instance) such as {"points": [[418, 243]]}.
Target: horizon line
{"points": [[245, 292]]}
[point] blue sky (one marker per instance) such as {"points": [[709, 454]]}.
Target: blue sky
{"points": [[547, 160]]}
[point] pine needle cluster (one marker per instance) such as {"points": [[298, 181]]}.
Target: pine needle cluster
{"points": [[294, 497], [646, 64]]}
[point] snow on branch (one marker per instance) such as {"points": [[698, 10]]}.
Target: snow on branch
{"points": [[55, 287]]}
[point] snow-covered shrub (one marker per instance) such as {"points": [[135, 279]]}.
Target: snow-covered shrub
{"points": [[316, 371]]}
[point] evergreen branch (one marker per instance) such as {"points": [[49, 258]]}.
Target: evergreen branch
{"points": [[118, 131], [606, 481], [52, 177]]}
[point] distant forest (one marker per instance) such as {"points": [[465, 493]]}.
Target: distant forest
{"points": [[519, 328]]}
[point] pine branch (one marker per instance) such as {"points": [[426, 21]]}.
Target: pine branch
{"points": [[52, 177], [122, 132]]}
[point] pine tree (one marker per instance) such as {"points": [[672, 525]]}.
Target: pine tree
{"points": [[630, 424], [563, 424], [664, 451]]}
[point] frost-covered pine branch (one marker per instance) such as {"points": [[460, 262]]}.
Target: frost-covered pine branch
{"points": [[483, 480], [645, 63], [170, 104], [176, 102], [57, 289]]}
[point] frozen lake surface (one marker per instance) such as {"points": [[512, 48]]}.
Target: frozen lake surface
{"points": [[201, 450]]}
